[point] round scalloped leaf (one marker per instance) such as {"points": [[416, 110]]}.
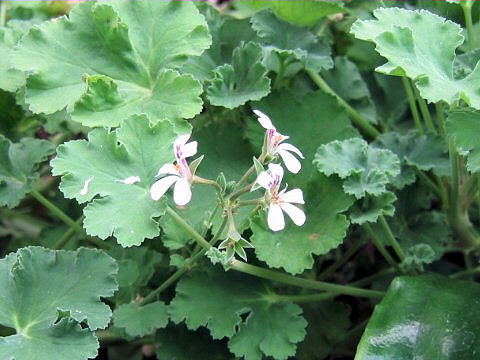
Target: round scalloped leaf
{"points": [[107, 61], [370, 208], [10, 79], [410, 42], [18, 167], [141, 320], [37, 284], [424, 317], [218, 300], [92, 172], [245, 80]]}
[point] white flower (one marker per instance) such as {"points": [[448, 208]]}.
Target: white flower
{"points": [[280, 200], [130, 180], [84, 190], [178, 174], [275, 145]]}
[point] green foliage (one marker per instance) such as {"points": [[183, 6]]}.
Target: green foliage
{"points": [[463, 126], [41, 286], [141, 320]]}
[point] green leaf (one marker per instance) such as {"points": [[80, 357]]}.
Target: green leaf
{"points": [[10, 79], [364, 168], [246, 79], [122, 210], [141, 320], [324, 229], [430, 316], [37, 284], [346, 81], [128, 50], [18, 167], [370, 208], [217, 300], [410, 42], [464, 126], [290, 40], [416, 257], [426, 152], [302, 13]]}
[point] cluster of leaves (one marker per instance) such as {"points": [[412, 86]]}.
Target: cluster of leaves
{"points": [[381, 98]]}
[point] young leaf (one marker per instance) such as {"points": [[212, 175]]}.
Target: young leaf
{"points": [[134, 46], [37, 284], [18, 167], [141, 320], [98, 166], [410, 42], [246, 79], [366, 169], [370, 208], [217, 300], [324, 229]]}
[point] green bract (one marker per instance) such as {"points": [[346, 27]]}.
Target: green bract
{"points": [[100, 164], [108, 61], [41, 286], [18, 167]]}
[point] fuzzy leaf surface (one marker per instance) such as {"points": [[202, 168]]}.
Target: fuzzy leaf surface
{"points": [[122, 210], [18, 167], [373, 206], [10, 79], [141, 320], [128, 52], [399, 36], [36, 284], [218, 299]]}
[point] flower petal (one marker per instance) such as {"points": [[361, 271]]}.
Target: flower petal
{"points": [[182, 192], [265, 180], [181, 141], [130, 180], [277, 173], [168, 169], [294, 196], [290, 161], [297, 215], [275, 220], [264, 120], [84, 190], [190, 149], [290, 147], [160, 187]]}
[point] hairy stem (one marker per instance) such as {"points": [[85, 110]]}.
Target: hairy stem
{"points": [[391, 238], [440, 118], [413, 105], [425, 112], [301, 298], [358, 119], [379, 245], [200, 180], [467, 12], [68, 234], [250, 170]]}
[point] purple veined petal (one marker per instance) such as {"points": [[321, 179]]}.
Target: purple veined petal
{"points": [[294, 196], [189, 149], [181, 140], [130, 180], [84, 190], [168, 169], [160, 187], [265, 180], [290, 161], [182, 192], [277, 173], [275, 219], [297, 215], [290, 147], [264, 120]]}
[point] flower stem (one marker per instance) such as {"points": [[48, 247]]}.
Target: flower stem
{"points": [[250, 170], [391, 238], [3, 13], [68, 234], [467, 12], [200, 180], [425, 112], [379, 245], [67, 219], [195, 235], [413, 105], [250, 202], [340, 262], [358, 119], [302, 298], [369, 279]]}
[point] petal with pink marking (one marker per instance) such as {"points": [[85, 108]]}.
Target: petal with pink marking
{"points": [[181, 141], [168, 169], [264, 120], [297, 215], [265, 180], [182, 192], [275, 219], [290, 161], [294, 196], [160, 187], [189, 149], [276, 171], [290, 147]]}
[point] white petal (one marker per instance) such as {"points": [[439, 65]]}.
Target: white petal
{"points": [[265, 180], [297, 215], [276, 222], [130, 180], [294, 196], [290, 147], [264, 120], [282, 137], [277, 173], [84, 190], [190, 149], [161, 186], [181, 141], [290, 161], [168, 169], [182, 192]]}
